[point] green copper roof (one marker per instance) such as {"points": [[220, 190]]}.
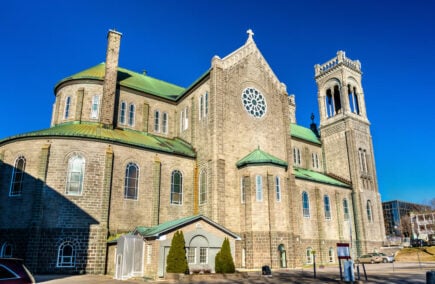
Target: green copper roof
{"points": [[304, 133], [259, 157], [317, 177], [127, 137], [168, 226], [130, 79]]}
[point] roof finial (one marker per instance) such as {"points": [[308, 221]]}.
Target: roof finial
{"points": [[250, 34]]}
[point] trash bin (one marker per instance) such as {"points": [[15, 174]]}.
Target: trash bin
{"points": [[265, 270], [430, 277]]}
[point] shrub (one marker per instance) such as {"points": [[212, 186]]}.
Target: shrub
{"points": [[224, 260], [176, 261]]}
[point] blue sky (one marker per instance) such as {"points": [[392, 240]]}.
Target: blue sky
{"points": [[43, 42]]}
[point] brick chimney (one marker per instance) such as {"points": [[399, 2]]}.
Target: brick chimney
{"points": [[109, 87]]}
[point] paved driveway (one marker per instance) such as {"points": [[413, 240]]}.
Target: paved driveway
{"points": [[398, 273]]}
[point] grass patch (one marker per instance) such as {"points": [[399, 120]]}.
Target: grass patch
{"points": [[416, 254]]}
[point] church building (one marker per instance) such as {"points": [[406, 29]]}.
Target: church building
{"points": [[129, 159]]}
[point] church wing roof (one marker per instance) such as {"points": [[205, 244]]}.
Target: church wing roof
{"points": [[122, 136], [161, 229], [317, 177], [130, 79], [259, 157], [304, 133]]}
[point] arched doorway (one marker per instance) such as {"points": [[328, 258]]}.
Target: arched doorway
{"points": [[282, 256]]}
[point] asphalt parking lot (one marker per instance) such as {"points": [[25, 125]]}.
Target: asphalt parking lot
{"points": [[400, 273]]}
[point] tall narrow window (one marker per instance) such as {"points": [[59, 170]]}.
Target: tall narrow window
{"points": [[157, 121], [186, 118], [305, 204], [259, 187], [131, 115], [95, 106], [201, 107], [131, 181], [353, 99], [66, 255], [242, 190], [345, 210], [369, 211], [122, 113], [203, 255], [203, 187], [337, 100], [327, 205], [191, 255], [315, 160], [176, 188], [206, 104], [331, 255], [278, 188], [76, 170], [309, 255], [296, 156], [329, 104], [67, 107], [363, 160], [165, 123], [16, 187]]}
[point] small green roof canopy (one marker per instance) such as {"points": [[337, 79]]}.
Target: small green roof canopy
{"points": [[259, 157], [317, 177], [130, 79], [122, 136], [304, 133], [169, 226]]}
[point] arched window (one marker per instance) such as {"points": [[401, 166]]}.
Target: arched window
{"points": [[165, 123], [67, 107], [6, 250], [131, 181], [76, 170], [305, 204], [122, 112], [259, 187], [369, 211], [278, 188], [327, 205], [176, 188], [353, 99], [206, 104], [131, 115], [157, 121], [66, 255], [345, 209], [203, 187], [95, 106], [331, 255], [16, 187], [337, 99], [309, 255]]}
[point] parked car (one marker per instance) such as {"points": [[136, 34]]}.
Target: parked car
{"points": [[385, 258], [13, 271], [369, 258], [419, 243]]}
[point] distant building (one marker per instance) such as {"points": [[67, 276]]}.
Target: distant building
{"points": [[396, 217], [423, 225], [130, 159]]}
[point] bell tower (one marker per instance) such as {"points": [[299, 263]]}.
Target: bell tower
{"points": [[347, 145]]}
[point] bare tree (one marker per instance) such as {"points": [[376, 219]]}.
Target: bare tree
{"points": [[406, 226]]}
